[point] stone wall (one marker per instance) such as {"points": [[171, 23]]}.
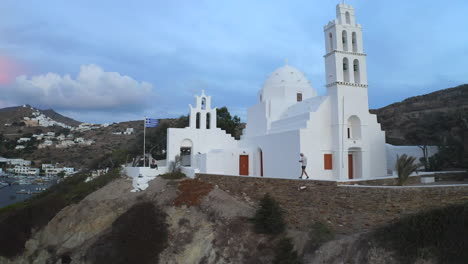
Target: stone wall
{"points": [[347, 209], [383, 182]]}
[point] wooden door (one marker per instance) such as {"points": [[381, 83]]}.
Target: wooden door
{"points": [[350, 167], [261, 163], [244, 165]]}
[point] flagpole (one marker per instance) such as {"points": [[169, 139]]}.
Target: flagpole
{"points": [[144, 141]]}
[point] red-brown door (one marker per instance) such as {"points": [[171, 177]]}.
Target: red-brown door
{"points": [[350, 167], [244, 165]]}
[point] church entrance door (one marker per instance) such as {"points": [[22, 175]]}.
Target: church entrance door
{"points": [[350, 167], [244, 165]]}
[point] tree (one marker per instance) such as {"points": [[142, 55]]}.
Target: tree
{"points": [[405, 166], [424, 138], [268, 218], [61, 174], [231, 124]]}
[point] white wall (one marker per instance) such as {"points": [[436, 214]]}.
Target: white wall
{"points": [[203, 140], [415, 151], [144, 171]]}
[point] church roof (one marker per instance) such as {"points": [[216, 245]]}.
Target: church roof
{"points": [[286, 76]]}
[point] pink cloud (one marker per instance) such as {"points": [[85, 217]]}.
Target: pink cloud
{"points": [[9, 70]]}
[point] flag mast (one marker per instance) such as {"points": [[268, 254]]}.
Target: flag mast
{"points": [[144, 142]]}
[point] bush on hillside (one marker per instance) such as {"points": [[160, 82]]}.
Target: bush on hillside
{"points": [[268, 218], [285, 253], [440, 234], [173, 175], [319, 234]]}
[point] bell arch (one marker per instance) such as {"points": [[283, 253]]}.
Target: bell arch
{"points": [[344, 36], [357, 71], [346, 70]]}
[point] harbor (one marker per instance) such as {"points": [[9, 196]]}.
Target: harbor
{"points": [[16, 188]]}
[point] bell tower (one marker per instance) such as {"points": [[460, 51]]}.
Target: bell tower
{"points": [[202, 116], [346, 82], [345, 59]]}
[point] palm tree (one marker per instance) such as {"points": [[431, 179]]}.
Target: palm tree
{"points": [[405, 166]]}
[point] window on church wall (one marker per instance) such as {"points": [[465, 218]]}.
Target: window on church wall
{"points": [[330, 38], [354, 42], [345, 40], [299, 97], [328, 161], [197, 122], [348, 18], [354, 127], [346, 70], [203, 103], [357, 72], [208, 117]]}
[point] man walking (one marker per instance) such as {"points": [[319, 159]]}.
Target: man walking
{"points": [[303, 162]]}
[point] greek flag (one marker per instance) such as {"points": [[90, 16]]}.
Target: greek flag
{"points": [[151, 122]]}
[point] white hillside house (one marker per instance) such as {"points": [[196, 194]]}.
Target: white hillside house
{"points": [[341, 140]]}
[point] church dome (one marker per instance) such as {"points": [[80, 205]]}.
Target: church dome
{"points": [[286, 82]]}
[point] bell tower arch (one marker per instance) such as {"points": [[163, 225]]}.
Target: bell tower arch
{"points": [[202, 116]]}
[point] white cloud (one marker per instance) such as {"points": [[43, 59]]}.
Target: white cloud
{"points": [[93, 89]]}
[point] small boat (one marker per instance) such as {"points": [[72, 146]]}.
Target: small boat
{"points": [[23, 191]]}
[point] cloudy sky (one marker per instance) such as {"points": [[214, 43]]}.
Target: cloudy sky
{"points": [[111, 60]]}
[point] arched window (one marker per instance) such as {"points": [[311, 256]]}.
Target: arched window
{"points": [[346, 70], [354, 42], [330, 42], [354, 127], [203, 103], [348, 18], [208, 117], [357, 71], [198, 121], [345, 40]]}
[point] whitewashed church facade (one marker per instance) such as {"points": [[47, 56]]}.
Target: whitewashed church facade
{"points": [[336, 132]]}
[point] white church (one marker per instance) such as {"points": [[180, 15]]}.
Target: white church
{"points": [[340, 138]]}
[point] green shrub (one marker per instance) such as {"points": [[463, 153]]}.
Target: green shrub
{"points": [[285, 253], [404, 167], [319, 234], [441, 234], [268, 218], [173, 175]]}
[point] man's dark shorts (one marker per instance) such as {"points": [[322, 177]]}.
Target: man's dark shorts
{"points": [[303, 167]]}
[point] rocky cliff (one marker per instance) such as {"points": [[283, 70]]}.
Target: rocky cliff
{"points": [[208, 221]]}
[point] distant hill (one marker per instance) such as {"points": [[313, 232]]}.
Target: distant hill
{"points": [[60, 118], [439, 118], [442, 112], [13, 114]]}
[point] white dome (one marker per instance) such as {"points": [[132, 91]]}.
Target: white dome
{"points": [[286, 81]]}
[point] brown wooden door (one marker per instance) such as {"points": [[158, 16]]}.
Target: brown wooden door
{"points": [[350, 167], [244, 165]]}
